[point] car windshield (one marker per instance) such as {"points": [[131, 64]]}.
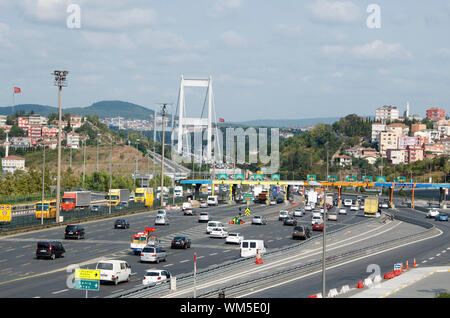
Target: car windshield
{"points": [[298, 228], [68, 200], [203, 213], [256, 217], [71, 228], [106, 266], [179, 238], [232, 234], [43, 245], [148, 250], [152, 274]]}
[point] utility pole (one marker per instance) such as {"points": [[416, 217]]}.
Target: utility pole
{"points": [[137, 155], [163, 114], [43, 189], [70, 163], [84, 161], [110, 175], [98, 136], [60, 81], [325, 213]]}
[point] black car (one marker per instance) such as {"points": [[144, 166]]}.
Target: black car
{"points": [[181, 242], [122, 224], [290, 221], [301, 232], [74, 231], [280, 200], [51, 249]]}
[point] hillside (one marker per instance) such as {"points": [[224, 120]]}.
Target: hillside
{"points": [[102, 109], [281, 123]]}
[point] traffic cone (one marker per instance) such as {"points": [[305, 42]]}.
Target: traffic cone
{"points": [[259, 259], [414, 262], [407, 266], [360, 284], [401, 268]]}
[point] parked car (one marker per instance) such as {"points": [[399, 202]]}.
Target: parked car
{"points": [[74, 231], [301, 232], [332, 216], [318, 226], [151, 253], [283, 214], [203, 217], [152, 276], [181, 242], [432, 213], [261, 220], [218, 232], [342, 211], [121, 223], [161, 220], [290, 221], [234, 238], [203, 204], [299, 212], [49, 249], [114, 271], [441, 217]]}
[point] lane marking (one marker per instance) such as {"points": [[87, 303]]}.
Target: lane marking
{"points": [[226, 251], [212, 254], [431, 258], [439, 254], [184, 261], [168, 265], [59, 291]]}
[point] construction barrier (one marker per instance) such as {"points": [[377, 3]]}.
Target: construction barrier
{"points": [[389, 275], [344, 289], [397, 272], [414, 263], [407, 266], [319, 295], [368, 282], [333, 293], [259, 259]]}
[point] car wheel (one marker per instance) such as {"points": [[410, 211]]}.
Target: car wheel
{"points": [[157, 260], [128, 278], [53, 256], [116, 280]]}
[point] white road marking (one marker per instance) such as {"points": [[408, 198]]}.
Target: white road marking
{"points": [[168, 265], [200, 257], [431, 258], [186, 260], [424, 261], [439, 254], [59, 291], [212, 254], [133, 274], [226, 251]]}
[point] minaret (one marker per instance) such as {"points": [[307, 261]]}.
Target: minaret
{"points": [[7, 146], [407, 110]]}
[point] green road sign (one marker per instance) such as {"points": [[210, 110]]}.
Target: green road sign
{"points": [[275, 177], [381, 179], [350, 179], [332, 178], [248, 196], [258, 177], [311, 177], [87, 284], [401, 179], [222, 176], [239, 176], [367, 179]]}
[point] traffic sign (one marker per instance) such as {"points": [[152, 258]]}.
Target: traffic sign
{"points": [[258, 177], [311, 177], [401, 179], [248, 196], [222, 176], [367, 179], [91, 274], [239, 176], [5, 213], [87, 284], [247, 211], [381, 179], [332, 178], [275, 177], [350, 179]]}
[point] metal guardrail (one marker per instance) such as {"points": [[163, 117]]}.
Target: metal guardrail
{"points": [[187, 279]]}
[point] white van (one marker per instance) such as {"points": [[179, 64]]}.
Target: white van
{"points": [[114, 271], [250, 248], [211, 225], [187, 205], [348, 202], [212, 200]]}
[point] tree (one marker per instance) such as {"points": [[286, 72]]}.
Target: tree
{"points": [[16, 131]]}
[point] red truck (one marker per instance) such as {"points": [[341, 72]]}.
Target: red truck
{"points": [[76, 200]]}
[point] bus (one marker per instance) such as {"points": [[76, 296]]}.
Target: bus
{"points": [[49, 209]]}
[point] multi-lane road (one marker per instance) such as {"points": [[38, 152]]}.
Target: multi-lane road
{"points": [[22, 275]]}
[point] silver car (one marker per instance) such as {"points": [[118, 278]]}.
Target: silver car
{"points": [[153, 254], [257, 219], [299, 212], [203, 217], [161, 220]]}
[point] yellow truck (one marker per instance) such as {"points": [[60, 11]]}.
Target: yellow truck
{"points": [[149, 198], [115, 196], [139, 195], [370, 207]]}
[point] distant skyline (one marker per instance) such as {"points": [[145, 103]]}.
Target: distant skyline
{"points": [[283, 60]]}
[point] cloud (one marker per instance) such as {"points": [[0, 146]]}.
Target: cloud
{"points": [[224, 7], [233, 40], [105, 40], [376, 50], [49, 11], [287, 30], [445, 53], [335, 11], [245, 81], [337, 75], [383, 71]]}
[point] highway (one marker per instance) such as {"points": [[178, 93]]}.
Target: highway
{"points": [[22, 275]]}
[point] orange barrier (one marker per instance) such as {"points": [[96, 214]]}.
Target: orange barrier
{"points": [[397, 272], [389, 275], [259, 259], [360, 284], [414, 262], [313, 296], [407, 266]]}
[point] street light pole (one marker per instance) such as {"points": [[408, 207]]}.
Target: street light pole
{"points": [[84, 161], [163, 114], [60, 81], [110, 176], [325, 213], [98, 136], [43, 189]]}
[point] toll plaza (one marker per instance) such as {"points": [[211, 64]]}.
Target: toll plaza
{"points": [[312, 183]]}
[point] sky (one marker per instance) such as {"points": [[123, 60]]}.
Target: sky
{"points": [[285, 59]]}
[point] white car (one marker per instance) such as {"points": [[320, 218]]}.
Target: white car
{"points": [[161, 220], [218, 232], [234, 238], [155, 276], [203, 204], [361, 206], [384, 205], [273, 202], [348, 202], [299, 212], [316, 219], [203, 217], [354, 208], [211, 225], [115, 271], [283, 215], [432, 213], [322, 210], [342, 211], [308, 207], [161, 212]]}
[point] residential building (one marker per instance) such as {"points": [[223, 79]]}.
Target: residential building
{"points": [[22, 122], [444, 129], [417, 127], [48, 143], [49, 131], [354, 152], [435, 113], [436, 148], [343, 160], [397, 156], [446, 145], [37, 120], [73, 140], [75, 121], [399, 128], [21, 142], [6, 128], [369, 152], [405, 141], [415, 153], [13, 163], [431, 134], [386, 113], [35, 131], [377, 128], [3, 119], [388, 140]]}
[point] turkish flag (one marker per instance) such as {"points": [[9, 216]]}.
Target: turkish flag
{"points": [[221, 120], [17, 90]]}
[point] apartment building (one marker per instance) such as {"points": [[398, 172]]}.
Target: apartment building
{"points": [[23, 122], [397, 156], [3, 119], [386, 113], [377, 128], [405, 141], [73, 140], [399, 128], [415, 153], [13, 163], [76, 121], [431, 135], [34, 131], [388, 140], [50, 132], [417, 127], [435, 113], [435, 148]]}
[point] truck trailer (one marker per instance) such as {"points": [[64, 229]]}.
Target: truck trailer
{"points": [[76, 200]]}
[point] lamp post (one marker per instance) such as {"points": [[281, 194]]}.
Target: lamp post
{"points": [[43, 189], [84, 161], [98, 136], [325, 214], [110, 176], [137, 155], [60, 81], [163, 114]]}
